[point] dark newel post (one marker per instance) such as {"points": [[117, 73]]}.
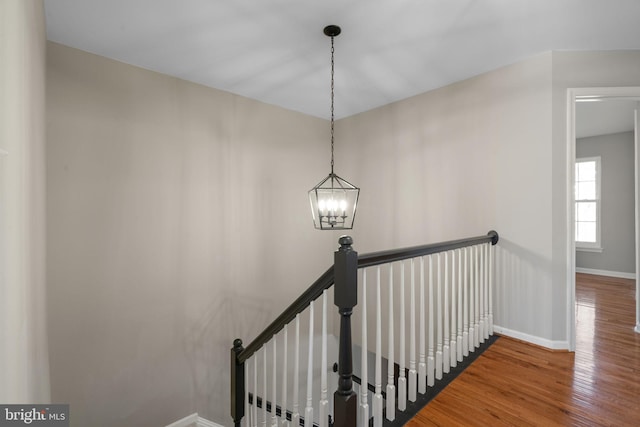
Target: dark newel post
{"points": [[237, 383], [345, 297]]}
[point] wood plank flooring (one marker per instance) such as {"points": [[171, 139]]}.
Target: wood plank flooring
{"points": [[517, 384]]}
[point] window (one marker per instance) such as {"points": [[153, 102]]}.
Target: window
{"points": [[587, 211]]}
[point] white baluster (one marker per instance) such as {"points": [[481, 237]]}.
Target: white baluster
{"points": [[264, 386], [402, 380], [308, 411], [391, 388], [472, 303], [295, 410], [283, 415], [491, 279], [247, 408], [422, 365], [439, 321], [323, 410], [431, 361], [446, 364], [453, 361], [487, 295], [481, 312], [413, 374], [254, 409], [274, 416], [460, 307], [377, 397], [364, 392], [465, 303], [476, 302]]}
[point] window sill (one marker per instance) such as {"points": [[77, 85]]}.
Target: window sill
{"points": [[586, 249]]}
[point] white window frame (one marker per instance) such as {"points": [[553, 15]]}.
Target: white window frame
{"points": [[597, 245]]}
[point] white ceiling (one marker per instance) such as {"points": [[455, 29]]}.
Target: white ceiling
{"points": [[275, 51]]}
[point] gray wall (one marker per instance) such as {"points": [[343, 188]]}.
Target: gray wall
{"points": [[472, 156], [178, 220], [618, 199], [166, 203], [460, 161], [24, 368]]}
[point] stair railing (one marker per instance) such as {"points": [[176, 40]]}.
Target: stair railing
{"points": [[457, 324]]}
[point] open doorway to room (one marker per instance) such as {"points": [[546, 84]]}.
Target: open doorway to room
{"points": [[603, 189]]}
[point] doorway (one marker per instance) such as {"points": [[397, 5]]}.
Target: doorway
{"points": [[595, 95]]}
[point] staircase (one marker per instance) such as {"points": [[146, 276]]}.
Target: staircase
{"points": [[441, 294]]}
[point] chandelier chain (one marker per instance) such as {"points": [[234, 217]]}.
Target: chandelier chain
{"points": [[332, 95]]}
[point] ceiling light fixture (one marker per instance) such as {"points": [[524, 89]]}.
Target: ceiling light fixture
{"points": [[333, 200]]}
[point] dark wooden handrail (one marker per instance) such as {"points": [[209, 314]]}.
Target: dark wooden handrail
{"points": [[384, 257], [298, 306], [346, 299], [366, 260]]}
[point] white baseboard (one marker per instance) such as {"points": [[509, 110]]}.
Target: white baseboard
{"points": [[202, 422], [193, 420], [543, 342], [188, 421], [609, 273]]}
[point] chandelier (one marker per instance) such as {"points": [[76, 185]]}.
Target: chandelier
{"points": [[333, 200]]}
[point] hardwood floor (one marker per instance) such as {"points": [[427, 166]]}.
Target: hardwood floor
{"points": [[518, 384]]}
